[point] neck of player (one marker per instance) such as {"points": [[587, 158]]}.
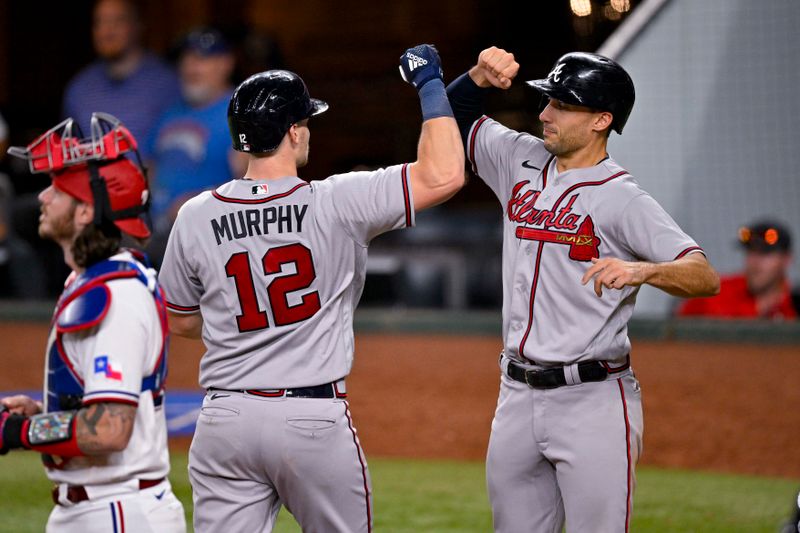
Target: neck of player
{"points": [[588, 155], [284, 161]]}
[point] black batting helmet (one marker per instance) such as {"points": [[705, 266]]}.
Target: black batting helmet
{"points": [[590, 80], [264, 107]]}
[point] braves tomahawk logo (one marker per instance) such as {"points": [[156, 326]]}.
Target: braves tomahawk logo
{"points": [[557, 225]]}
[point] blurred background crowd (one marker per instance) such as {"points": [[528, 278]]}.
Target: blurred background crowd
{"points": [[710, 134]]}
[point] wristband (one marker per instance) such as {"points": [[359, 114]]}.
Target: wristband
{"points": [[433, 99], [54, 434]]}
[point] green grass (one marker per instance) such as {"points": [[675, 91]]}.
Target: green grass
{"points": [[445, 496]]}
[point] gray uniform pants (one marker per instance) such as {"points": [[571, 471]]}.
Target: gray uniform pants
{"points": [[251, 454], [565, 453]]}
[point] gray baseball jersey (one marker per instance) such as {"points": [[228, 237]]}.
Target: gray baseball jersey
{"points": [[566, 454], [553, 226], [276, 268]]}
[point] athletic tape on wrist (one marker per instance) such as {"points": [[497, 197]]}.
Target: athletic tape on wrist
{"points": [[433, 98]]}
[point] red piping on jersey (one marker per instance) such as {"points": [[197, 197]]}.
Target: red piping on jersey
{"points": [[535, 278], [218, 196], [472, 142], [363, 466], [628, 450], [586, 184], [544, 172], [109, 400], [121, 517], [161, 309], [532, 298], [690, 250], [181, 307], [406, 199], [541, 245]]}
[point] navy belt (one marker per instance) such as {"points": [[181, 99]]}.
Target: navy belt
{"points": [[328, 390], [552, 378]]}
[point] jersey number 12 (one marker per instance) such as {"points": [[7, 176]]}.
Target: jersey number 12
{"points": [[252, 317]]}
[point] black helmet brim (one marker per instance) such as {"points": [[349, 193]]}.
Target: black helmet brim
{"points": [[559, 92], [318, 107]]}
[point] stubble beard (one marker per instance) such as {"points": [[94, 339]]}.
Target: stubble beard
{"points": [[59, 229]]}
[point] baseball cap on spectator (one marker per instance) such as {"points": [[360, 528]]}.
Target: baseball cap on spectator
{"points": [[206, 42], [765, 236]]}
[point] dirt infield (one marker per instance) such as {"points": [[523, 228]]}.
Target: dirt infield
{"points": [[719, 407]]}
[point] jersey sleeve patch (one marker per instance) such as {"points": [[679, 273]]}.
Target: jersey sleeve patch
{"points": [[86, 310]]}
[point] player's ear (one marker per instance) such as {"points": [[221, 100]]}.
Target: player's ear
{"points": [[84, 213], [294, 134], [603, 121]]}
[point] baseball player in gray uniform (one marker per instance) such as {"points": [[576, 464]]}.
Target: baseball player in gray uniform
{"points": [[580, 237], [268, 270]]}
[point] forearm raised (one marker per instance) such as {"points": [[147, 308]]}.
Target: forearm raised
{"points": [[438, 172], [440, 154]]}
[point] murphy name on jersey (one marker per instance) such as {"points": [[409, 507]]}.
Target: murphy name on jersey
{"points": [[250, 222]]}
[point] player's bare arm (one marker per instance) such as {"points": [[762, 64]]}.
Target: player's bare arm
{"points": [[689, 276], [438, 172], [190, 326], [495, 68], [103, 428], [97, 429]]}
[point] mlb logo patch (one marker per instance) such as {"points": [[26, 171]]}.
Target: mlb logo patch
{"points": [[259, 189], [111, 370]]}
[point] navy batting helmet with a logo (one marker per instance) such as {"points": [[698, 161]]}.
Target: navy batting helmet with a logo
{"points": [[264, 107], [593, 81]]}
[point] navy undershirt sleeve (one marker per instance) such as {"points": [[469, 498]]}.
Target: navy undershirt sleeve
{"points": [[466, 99]]}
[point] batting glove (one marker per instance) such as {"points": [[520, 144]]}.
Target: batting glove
{"points": [[10, 430], [4, 416], [421, 64]]}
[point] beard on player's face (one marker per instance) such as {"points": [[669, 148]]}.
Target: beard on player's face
{"points": [[565, 142], [57, 215], [58, 226]]}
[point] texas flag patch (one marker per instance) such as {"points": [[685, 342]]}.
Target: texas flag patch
{"points": [[107, 367], [259, 189]]}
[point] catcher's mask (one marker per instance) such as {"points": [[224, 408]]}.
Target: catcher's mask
{"points": [[95, 170]]}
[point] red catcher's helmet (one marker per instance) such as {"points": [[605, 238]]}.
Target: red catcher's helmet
{"points": [[94, 170]]}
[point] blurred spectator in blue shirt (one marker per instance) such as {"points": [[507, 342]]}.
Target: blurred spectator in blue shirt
{"points": [[191, 149], [127, 81]]}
